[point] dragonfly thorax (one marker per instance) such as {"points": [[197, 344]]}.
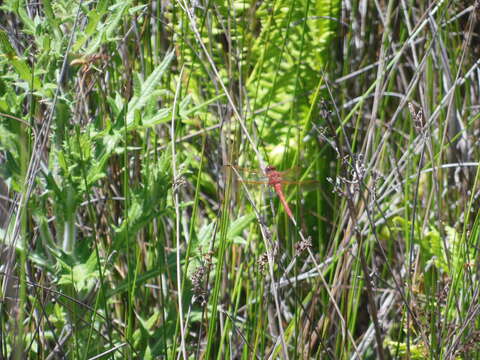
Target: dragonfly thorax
{"points": [[274, 177]]}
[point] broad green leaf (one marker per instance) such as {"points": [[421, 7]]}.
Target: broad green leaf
{"points": [[205, 235], [147, 89], [82, 276], [239, 225]]}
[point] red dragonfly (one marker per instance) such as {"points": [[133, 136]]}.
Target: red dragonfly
{"points": [[276, 179]]}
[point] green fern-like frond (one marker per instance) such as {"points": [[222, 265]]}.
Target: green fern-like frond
{"points": [[291, 52]]}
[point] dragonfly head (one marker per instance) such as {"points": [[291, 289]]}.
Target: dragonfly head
{"points": [[270, 168]]}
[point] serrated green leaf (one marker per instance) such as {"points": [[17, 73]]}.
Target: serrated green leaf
{"points": [[239, 225], [162, 116], [81, 276], [105, 33], [137, 8], [137, 85], [148, 87], [291, 49], [204, 105], [27, 21], [93, 20]]}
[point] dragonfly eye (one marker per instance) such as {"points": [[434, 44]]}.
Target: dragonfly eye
{"points": [[270, 168]]}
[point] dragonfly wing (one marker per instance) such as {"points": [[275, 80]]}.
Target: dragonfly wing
{"points": [[254, 182], [292, 173], [247, 174], [304, 185]]}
